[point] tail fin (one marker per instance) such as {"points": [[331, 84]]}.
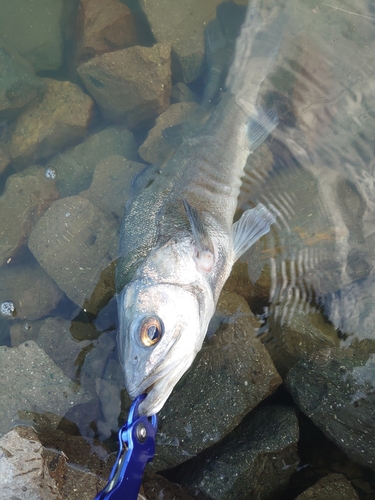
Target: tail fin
{"points": [[259, 41]]}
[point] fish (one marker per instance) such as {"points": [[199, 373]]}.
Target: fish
{"points": [[178, 242]]}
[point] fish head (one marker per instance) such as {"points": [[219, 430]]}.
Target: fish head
{"points": [[161, 329]]}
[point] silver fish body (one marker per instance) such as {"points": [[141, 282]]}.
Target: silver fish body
{"points": [[178, 241]]}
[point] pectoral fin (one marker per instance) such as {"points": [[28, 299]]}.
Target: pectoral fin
{"points": [[250, 228], [205, 254]]}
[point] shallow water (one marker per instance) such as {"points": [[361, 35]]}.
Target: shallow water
{"points": [[311, 280]]}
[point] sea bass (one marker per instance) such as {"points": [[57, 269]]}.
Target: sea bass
{"points": [[178, 242]]}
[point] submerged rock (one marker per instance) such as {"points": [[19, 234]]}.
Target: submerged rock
{"points": [[184, 28], [131, 84], [74, 242], [254, 462], [111, 185], [331, 487], [61, 119], [26, 197], [4, 160], [31, 381], [182, 93], [231, 375], [335, 388], [155, 149], [104, 27], [33, 293], [18, 83], [35, 30], [75, 167]]}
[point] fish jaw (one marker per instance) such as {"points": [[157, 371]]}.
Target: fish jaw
{"points": [[184, 313]]}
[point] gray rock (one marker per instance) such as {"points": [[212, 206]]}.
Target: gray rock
{"points": [[331, 487], [18, 84], [55, 339], [335, 388], [4, 160], [30, 381], [26, 197], [61, 119], [33, 293], [74, 242], [111, 185], [22, 331], [183, 27], [231, 375], [75, 167], [35, 30], [255, 462], [304, 333], [155, 149], [132, 85], [23, 469]]}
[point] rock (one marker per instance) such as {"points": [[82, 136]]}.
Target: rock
{"points": [[4, 160], [254, 462], [75, 167], [22, 331], [111, 185], [33, 293], [59, 120], [155, 149], [304, 333], [34, 30], [156, 487], [131, 84], [182, 93], [105, 28], [331, 487], [335, 388], [29, 470], [74, 242], [23, 469], [26, 197], [231, 375], [30, 380], [18, 84], [55, 339], [183, 27]]}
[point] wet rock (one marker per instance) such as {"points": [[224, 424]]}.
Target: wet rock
{"points": [[105, 28], [4, 160], [156, 487], [111, 185], [34, 30], [182, 93], [29, 470], [131, 84], [55, 339], [335, 388], [30, 380], [184, 29], [18, 84], [74, 242], [233, 373], [75, 167], [23, 470], [155, 149], [33, 293], [304, 333], [21, 331], [59, 120], [254, 462], [331, 487], [26, 197]]}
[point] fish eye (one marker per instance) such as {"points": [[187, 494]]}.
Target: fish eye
{"points": [[150, 331]]}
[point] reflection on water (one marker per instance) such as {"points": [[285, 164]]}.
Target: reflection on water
{"points": [[311, 280]]}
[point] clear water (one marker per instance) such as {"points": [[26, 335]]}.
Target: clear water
{"points": [[316, 267]]}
